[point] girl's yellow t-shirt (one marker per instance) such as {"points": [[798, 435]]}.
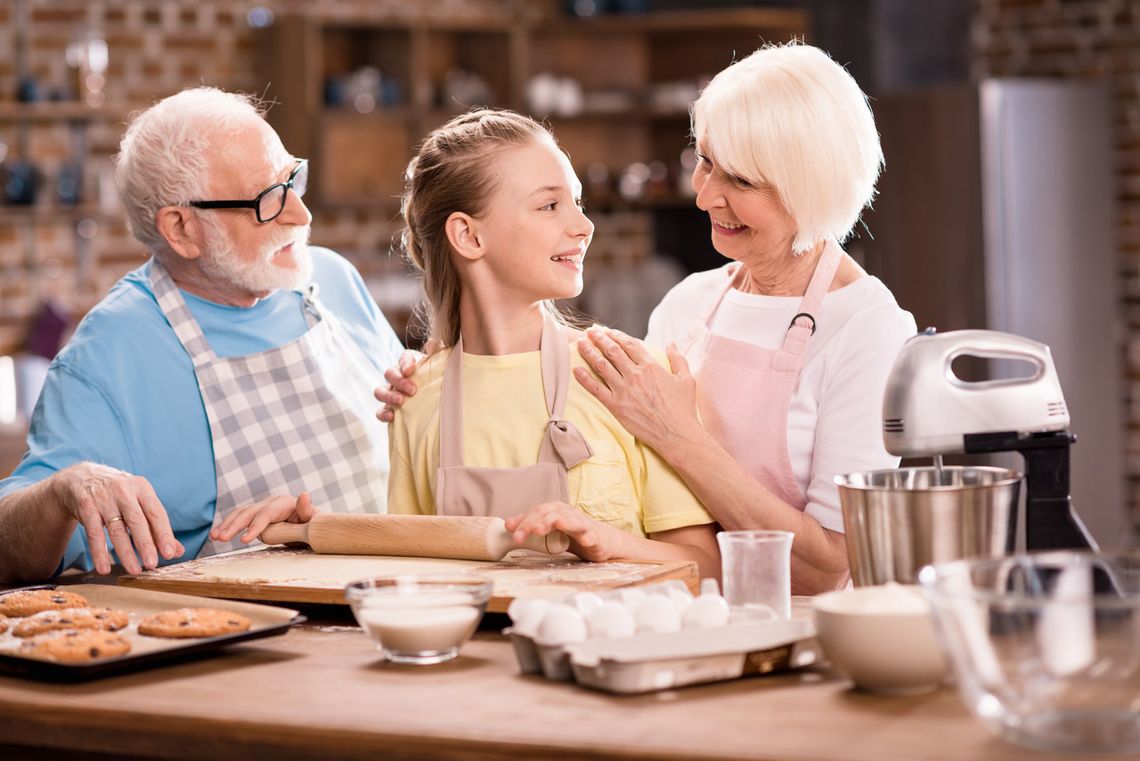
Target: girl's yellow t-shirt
{"points": [[624, 483]]}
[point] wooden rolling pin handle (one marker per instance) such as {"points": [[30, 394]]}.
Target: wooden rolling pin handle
{"points": [[285, 533]]}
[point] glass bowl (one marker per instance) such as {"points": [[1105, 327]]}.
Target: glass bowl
{"points": [[419, 619], [1046, 646]]}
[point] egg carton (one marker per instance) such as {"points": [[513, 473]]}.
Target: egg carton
{"points": [[651, 661], [731, 647]]}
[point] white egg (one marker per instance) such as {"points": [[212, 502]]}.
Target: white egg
{"points": [[610, 619], [519, 606], [586, 602], [709, 586], [680, 599], [656, 613], [530, 616], [561, 625], [706, 612], [631, 597]]}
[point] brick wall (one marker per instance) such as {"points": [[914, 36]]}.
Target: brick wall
{"points": [[1083, 39]]}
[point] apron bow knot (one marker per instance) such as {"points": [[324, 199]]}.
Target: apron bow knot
{"points": [[569, 443]]}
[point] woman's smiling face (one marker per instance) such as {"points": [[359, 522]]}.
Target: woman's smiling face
{"points": [[748, 220], [535, 229]]}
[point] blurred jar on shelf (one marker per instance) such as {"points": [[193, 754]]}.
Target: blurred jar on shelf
{"points": [[88, 56]]}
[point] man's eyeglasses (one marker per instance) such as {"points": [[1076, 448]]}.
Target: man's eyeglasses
{"points": [[271, 201]]}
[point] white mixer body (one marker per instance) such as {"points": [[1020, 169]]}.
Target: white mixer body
{"points": [[928, 409]]}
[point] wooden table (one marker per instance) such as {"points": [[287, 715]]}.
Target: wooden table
{"points": [[321, 692]]}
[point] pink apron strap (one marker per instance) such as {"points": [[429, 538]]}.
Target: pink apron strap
{"points": [[802, 327], [702, 323]]}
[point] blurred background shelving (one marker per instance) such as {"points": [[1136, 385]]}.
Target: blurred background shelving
{"points": [[615, 90]]}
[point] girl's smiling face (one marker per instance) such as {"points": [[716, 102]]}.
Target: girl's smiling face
{"points": [[533, 227]]}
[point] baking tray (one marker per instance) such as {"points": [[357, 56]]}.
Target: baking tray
{"points": [[146, 652]]}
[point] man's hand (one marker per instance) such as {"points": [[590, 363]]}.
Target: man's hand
{"points": [[253, 518], [123, 505], [589, 539], [400, 388]]}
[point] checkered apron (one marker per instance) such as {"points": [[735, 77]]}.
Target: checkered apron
{"points": [[298, 418]]}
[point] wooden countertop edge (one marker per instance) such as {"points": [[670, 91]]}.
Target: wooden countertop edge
{"points": [[138, 733]]}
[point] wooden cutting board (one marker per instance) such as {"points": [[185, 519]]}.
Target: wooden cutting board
{"points": [[280, 574]]}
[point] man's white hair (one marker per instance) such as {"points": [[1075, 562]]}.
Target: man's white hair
{"points": [[790, 117], [164, 158]]}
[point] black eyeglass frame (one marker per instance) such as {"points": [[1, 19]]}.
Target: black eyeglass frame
{"points": [[255, 204]]}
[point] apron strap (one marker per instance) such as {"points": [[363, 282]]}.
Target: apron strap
{"points": [[451, 409], [311, 305], [562, 443], [802, 327], [702, 323], [178, 314]]}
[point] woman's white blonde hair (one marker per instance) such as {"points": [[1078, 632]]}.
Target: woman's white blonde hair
{"points": [[164, 157], [790, 117]]}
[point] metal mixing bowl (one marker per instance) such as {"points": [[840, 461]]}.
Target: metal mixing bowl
{"points": [[898, 521]]}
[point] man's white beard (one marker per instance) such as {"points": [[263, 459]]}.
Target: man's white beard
{"points": [[223, 266]]}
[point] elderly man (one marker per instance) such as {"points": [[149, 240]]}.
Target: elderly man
{"points": [[216, 385]]}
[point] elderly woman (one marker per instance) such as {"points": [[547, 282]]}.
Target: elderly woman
{"points": [[779, 358]]}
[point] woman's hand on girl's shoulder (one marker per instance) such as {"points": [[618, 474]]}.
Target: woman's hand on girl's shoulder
{"points": [[589, 539], [653, 402]]}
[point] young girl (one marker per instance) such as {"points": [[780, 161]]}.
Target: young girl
{"points": [[499, 426]]}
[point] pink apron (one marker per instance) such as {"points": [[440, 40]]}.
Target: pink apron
{"points": [[503, 492], [744, 391]]}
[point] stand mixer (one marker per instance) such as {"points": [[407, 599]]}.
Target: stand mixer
{"points": [[928, 411]]}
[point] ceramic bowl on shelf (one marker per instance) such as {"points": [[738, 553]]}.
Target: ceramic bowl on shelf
{"points": [[419, 618], [882, 637], [1045, 647]]}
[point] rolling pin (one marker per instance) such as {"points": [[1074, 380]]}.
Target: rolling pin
{"points": [[421, 536]]}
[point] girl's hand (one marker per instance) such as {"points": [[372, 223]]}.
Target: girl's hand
{"points": [[653, 404], [253, 518], [589, 539]]}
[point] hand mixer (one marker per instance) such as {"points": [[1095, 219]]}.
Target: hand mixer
{"points": [[929, 411]]}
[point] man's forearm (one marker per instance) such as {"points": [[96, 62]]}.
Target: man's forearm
{"points": [[34, 532]]}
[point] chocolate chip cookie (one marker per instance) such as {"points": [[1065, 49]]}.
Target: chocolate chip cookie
{"points": [[31, 601], [71, 618], [193, 622], [76, 646]]}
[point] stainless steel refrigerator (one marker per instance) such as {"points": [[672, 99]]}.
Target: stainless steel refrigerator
{"points": [[997, 210]]}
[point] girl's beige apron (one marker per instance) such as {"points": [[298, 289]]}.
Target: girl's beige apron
{"points": [[744, 391], [503, 492], [292, 419]]}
